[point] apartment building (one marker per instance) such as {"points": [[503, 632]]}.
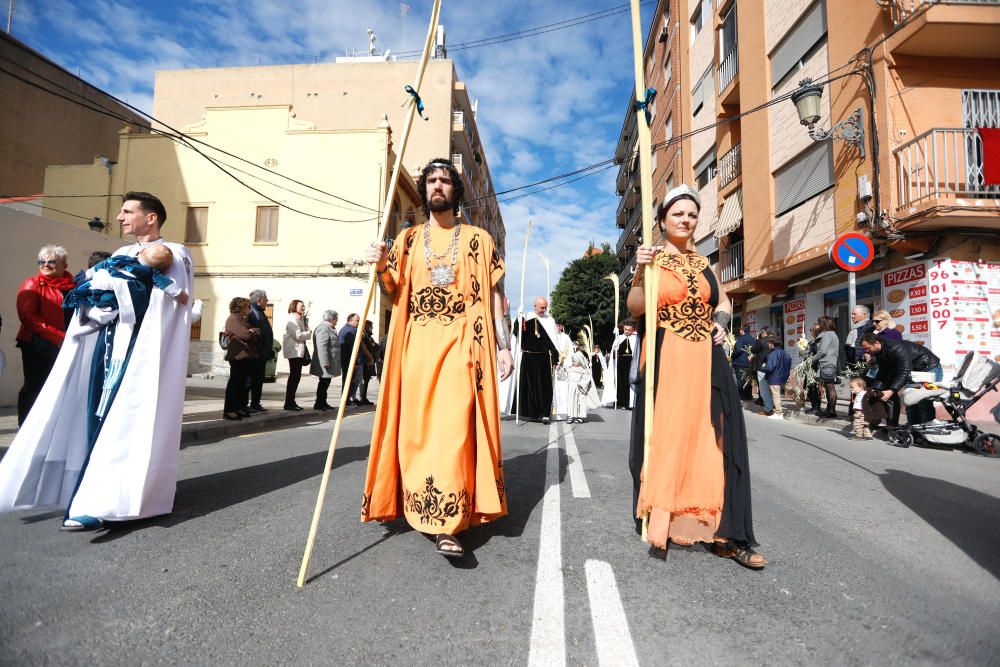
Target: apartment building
{"points": [[903, 86]]}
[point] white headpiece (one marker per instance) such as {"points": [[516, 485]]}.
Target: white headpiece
{"points": [[681, 190]]}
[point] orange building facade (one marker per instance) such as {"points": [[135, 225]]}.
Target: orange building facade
{"points": [[917, 78]]}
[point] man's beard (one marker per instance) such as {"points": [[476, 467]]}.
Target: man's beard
{"points": [[440, 205]]}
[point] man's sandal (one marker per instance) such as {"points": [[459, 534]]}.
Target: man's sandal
{"points": [[745, 556], [449, 546]]}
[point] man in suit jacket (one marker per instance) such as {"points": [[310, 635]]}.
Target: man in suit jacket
{"points": [[265, 347], [326, 357]]}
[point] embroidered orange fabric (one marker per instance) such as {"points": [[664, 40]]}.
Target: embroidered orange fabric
{"points": [[435, 454], [684, 481], [691, 317]]}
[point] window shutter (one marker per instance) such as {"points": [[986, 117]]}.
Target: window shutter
{"points": [[804, 177], [196, 225], [267, 224], [798, 42]]}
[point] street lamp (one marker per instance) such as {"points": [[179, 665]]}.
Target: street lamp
{"points": [[96, 225], [806, 99]]}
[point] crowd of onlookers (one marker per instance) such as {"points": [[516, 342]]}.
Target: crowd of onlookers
{"points": [[248, 338], [873, 358], [249, 341]]}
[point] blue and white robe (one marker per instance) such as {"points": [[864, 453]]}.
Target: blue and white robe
{"points": [[121, 464]]}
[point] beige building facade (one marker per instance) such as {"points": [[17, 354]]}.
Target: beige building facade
{"points": [[287, 239], [282, 189], [352, 94], [917, 77]]}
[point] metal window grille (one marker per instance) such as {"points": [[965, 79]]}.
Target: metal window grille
{"points": [[810, 29], [804, 177]]}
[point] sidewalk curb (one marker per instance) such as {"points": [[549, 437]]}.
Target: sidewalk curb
{"points": [[212, 430], [796, 415]]}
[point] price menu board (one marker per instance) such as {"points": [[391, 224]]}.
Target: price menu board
{"points": [[795, 327], [964, 297], [905, 292]]}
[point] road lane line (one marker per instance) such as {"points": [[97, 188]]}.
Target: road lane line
{"points": [[611, 633], [576, 475], [548, 634]]}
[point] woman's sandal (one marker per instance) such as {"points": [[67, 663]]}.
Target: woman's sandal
{"points": [[449, 546], [745, 556]]}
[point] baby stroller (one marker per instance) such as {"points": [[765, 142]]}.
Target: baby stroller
{"points": [[977, 376]]}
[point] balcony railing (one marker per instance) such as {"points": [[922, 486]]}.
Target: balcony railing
{"points": [[731, 262], [942, 162], [728, 69], [456, 159], [630, 231], [903, 9], [457, 120], [625, 277], [730, 166]]}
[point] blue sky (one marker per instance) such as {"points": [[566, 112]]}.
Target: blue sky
{"points": [[548, 104]]}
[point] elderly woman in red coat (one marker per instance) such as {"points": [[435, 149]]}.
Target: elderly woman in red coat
{"points": [[43, 324]]}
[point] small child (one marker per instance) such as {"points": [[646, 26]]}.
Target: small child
{"points": [[859, 422], [111, 299], [146, 270]]}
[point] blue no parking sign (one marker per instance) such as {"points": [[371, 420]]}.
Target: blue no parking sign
{"points": [[852, 252]]}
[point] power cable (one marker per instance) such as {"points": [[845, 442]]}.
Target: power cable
{"points": [[183, 140], [177, 133], [537, 30], [47, 208]]}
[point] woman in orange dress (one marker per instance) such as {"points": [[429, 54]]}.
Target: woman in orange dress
{"points": [[696, 485], [435, 451]]}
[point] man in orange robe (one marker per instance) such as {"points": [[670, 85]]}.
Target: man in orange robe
{"points": [[435, 452]]}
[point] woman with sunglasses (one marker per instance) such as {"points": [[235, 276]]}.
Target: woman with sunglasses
{"points": [[43, 324], [885, 326]]}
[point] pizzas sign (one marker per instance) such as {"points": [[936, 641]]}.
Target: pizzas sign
{"points": [[907, 274]]}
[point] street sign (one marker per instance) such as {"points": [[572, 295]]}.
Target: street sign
{"points": [[852, 252], [357, 291]]}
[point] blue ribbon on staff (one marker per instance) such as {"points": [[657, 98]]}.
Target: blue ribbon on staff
{"points": [[644, 104], [420, 102]]}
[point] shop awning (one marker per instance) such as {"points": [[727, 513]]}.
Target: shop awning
{"points": [[731, 216], [759, 301]]}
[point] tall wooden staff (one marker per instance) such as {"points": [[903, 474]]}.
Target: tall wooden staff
{"points": [[383, 227], [642, 98], [613, 277], [520, 329]]}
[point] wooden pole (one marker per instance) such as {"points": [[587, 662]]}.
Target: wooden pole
{"points": [[383, 227], [613, 277], [646, 182], [520, 330]]}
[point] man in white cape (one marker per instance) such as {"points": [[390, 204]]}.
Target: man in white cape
{"points": [[122, 466], [561, 389]]}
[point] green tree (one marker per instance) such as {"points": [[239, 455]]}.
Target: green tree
{"points": [[582, 294]]}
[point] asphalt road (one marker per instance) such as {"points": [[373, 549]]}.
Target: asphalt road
{"points": [[878, 556]]}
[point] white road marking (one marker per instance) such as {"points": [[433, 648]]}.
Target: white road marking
{"points": [[576, 475], [548, 634], [611, 633]]}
